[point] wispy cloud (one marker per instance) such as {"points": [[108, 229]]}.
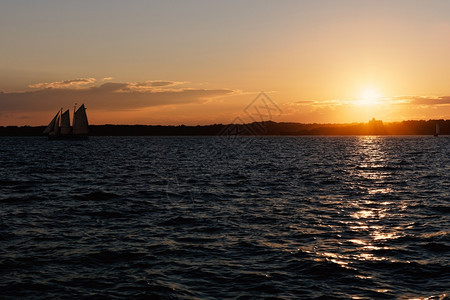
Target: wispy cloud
{"points": [[148, 86], [397, 100], [303, 102], [424, 100], [65, 84], [329, 102]]}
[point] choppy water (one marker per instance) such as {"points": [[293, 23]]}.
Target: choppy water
{"points": [[215, 217]]}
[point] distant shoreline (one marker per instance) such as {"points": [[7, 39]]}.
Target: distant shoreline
{"points": [[269, 128]]}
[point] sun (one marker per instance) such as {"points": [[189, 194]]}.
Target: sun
{"points": [[369, 97]]}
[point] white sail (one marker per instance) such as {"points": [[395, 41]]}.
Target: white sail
{"points": [[80, 122], [65, 123], [51, 126]]}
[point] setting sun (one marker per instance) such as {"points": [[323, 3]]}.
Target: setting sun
{"points": [[369, 97]]}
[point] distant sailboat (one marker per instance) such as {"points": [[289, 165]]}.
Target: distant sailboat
{"points": [[60, 129], [437, 129]]}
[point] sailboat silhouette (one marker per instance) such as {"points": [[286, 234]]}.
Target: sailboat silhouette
{"points": [[437, 129], [60, 129]]}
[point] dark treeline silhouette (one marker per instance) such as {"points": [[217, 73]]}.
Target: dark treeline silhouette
{"points": [[373, 127]]}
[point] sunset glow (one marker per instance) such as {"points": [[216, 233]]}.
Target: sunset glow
{"points": [[202, 62]]}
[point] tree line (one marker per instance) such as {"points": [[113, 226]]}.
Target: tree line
{"points": [[373, 127]]}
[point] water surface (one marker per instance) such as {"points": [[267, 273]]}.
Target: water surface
{"points": [[216, 217]]}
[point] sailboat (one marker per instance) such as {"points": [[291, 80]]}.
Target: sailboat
{"points": [[60, 129], [437, 129]]}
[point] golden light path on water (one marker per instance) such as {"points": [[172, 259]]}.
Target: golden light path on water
{"points": [[373, 211], [367, 216], [361, 222]]}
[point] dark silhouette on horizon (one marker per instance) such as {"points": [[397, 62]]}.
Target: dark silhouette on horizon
{"points": [[373, 127]]}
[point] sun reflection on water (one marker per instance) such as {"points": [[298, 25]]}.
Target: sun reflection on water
{"points": [[363, 214], [369, 215]]}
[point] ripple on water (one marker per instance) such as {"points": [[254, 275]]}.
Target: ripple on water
{"points": [[210, 217]]}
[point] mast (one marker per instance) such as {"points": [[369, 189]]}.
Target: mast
{"points": [[74, 110]]}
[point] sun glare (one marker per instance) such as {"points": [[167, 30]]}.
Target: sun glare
{"points": [[369, 97]]}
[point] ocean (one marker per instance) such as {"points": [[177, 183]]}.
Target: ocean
{"points": [[363, 217]]}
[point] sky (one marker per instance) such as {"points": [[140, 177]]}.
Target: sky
{"points": [[207, 61]]}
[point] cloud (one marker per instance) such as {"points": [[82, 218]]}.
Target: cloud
{"points": [[422, 100], [398, 100], [146, 86], [329, 102], [304, 102], [73, 83], [107, 96]]}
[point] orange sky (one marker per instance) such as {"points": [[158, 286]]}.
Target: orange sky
{"points": [[202, 62]]}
